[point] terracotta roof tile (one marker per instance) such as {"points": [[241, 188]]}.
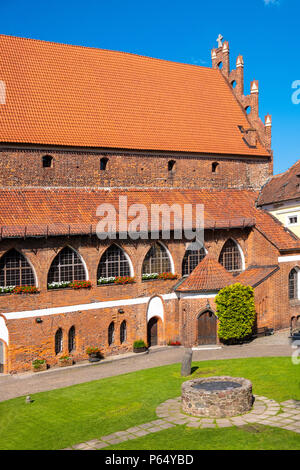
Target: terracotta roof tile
{"points": [[55, 211], [255, 275], [67, 95], [282, 187], [209, 275]]}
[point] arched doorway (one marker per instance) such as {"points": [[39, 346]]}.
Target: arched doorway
{"points": [[152, 332], [207, 328]]}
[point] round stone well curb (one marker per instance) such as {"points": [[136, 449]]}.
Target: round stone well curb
{"points": [[217, 397]]}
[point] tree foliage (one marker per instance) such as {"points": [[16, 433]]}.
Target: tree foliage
{"points": [[236, 312]]}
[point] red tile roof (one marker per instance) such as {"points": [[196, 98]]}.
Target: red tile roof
{"points": [[50, 211], [282, 187], [208, 276], [67, 95], [255, 275]]}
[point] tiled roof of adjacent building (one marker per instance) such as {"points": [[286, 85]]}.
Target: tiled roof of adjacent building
{"points": [[282, 187], [65, 95], [254, 275], [209, 275], [63, 211]]}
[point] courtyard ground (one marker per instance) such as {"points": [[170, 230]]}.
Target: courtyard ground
{"points": [[29, 383], [140, 410]]}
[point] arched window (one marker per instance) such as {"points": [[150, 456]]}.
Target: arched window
{"points": [[47, 161], [113, 263], [123, 332], [111, 333], [15, 270], [156, 260], [171, 165], [230, 257], [66, 267], [103, 163], [293, 284], [58, 341], [71, 339], [191, 259]]}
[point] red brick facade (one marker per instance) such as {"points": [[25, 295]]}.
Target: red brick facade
{"points": [[232, 153]]}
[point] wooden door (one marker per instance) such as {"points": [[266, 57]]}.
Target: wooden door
{"points": [[207, 328], [152, 332]]}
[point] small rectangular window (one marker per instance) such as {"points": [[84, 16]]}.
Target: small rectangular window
{"points": [[293, 219]]}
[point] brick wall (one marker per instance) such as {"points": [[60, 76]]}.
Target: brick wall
{"points": [[24, 168]]}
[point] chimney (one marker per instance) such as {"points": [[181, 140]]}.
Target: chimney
{"points": [[239, 75]]}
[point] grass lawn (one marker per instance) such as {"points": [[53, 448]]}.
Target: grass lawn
{"points": [[60, 418]]}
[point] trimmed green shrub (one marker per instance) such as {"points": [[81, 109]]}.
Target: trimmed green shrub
{"points": [[236, 313]]}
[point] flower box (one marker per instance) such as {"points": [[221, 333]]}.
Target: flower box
{"points": [[160, 276], [115, 280], [139, 346], [94, 354], [25, 290], [65, 361], [70, 285], [38, 365]]}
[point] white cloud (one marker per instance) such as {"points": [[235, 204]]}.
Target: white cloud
{"points": [[271, 2]]}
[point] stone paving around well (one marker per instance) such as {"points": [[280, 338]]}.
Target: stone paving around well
{"points": [[285, 415]]}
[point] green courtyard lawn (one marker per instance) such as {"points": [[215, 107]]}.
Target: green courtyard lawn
{"points": [[64, 417]]}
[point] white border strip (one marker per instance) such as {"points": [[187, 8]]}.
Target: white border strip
{"points": [[287, 259], [77, 308]]}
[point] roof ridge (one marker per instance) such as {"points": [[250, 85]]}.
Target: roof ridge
{"points": [[106, 50]]}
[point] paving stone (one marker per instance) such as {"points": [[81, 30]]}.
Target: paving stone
{"points": [[208, 425], [116, 441], [131, 430], [141, 433], [194, 425], [101, 445], [155, 429], [145, 425], [167, 425], [109, 437], [94, 442], [81, 446]]}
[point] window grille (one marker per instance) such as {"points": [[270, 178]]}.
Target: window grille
{"points": [[191, 259], [156, 261], [15, 270], [66, 267], [113, 263], [230, 257]]}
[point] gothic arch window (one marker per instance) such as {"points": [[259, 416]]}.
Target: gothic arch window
{"points": [[157, 260], [103, 163], [15, 270], [113, 263], [111, 333], [191, 259], [123, 332], [71, 339], [293, 284], [230, 257], [47, 161], [67, 266], [58, 341]]}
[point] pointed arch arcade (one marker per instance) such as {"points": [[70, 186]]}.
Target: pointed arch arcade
{"points": [[232, 257], [15, 270], [67, 266]]}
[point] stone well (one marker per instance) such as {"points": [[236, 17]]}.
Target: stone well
{"points": [[217, 397]]}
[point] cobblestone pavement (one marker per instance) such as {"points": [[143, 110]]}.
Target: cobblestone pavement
{"points": [[29, 383], [285, 415]]}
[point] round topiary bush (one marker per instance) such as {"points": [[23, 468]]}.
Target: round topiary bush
{"points": [[236, 313]]}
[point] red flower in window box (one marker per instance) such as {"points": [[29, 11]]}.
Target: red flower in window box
{"points": [[25, 290], [81, 285], [124, 280], [166, 276]]}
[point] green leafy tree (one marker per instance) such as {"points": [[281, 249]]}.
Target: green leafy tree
{"points": [[236, 312]]}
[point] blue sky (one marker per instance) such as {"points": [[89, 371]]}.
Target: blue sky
{"points": [[265, 32]]}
